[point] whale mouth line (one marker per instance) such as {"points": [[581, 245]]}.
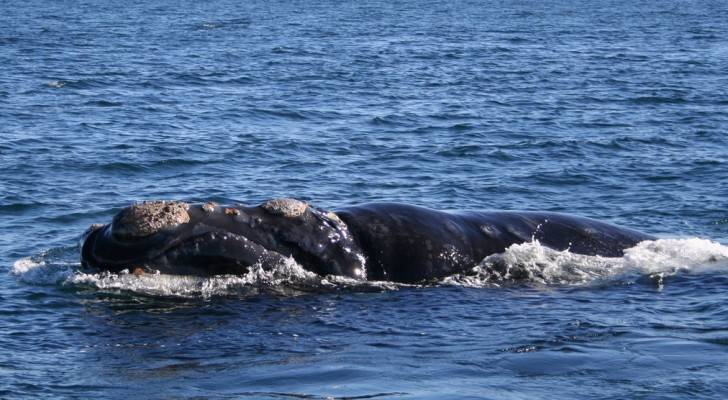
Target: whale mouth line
{"points": [[219, 248], [209, 253]]}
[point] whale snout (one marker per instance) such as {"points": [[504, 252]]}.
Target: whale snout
{"points": [[144, 219], [175, 237], [208, 239]]}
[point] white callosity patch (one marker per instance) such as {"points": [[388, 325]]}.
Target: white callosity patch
{"points": [[144, 219], [287, 207]]}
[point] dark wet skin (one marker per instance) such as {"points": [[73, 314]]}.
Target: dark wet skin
{"points": [[210, 239], [381, 241]]}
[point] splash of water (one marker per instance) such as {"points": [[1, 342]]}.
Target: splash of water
{"points": [[537, 264]]}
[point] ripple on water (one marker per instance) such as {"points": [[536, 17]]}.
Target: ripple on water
{"points": [[538, 105]]}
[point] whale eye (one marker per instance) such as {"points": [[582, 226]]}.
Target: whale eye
{"points": [[143, 219], [290, 208]]}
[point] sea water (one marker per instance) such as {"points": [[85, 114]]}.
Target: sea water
{"points": [[616, 110]]}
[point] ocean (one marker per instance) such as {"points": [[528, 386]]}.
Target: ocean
{"points": [[615, 110]]}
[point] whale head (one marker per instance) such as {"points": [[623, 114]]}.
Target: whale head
{"points": [[174, 237]]}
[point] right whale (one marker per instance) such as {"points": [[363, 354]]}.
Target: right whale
{"points": [[377, 241]]}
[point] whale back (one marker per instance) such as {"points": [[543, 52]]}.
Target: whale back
{"points": [[407, 243]]}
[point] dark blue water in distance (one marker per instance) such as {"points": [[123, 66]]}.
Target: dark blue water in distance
{"points": [[616, 110]]}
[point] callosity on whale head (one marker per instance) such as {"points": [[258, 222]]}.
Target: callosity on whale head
{"points": [[208, 239]]}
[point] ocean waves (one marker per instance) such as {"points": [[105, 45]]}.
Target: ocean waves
{"points": [[614, 110]]}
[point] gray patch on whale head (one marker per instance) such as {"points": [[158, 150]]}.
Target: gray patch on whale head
{"points": [[144, 219], [290, 208]]}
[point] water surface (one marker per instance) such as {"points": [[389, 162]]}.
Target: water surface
{"points": [[613, 110]]}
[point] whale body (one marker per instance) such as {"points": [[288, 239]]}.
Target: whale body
{"points": [[377, 241]]}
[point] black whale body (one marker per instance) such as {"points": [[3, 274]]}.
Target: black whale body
{"points": [[378, 241]]}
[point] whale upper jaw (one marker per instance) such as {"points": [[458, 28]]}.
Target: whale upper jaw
{"points": [[208, 239], [194, 247]]}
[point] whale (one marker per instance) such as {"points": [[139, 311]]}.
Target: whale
{"points": [[375, 241]]}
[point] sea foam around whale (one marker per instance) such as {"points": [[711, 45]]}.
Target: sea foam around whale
{"points": [[526, 264], [536, 264]]}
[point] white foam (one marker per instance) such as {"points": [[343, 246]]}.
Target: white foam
{"points": [[56, 84], [41, 270], [25, 265], [670, 255], [535, 263], [284, 276]]}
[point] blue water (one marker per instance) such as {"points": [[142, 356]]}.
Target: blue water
{"points": [[615, 110]]}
